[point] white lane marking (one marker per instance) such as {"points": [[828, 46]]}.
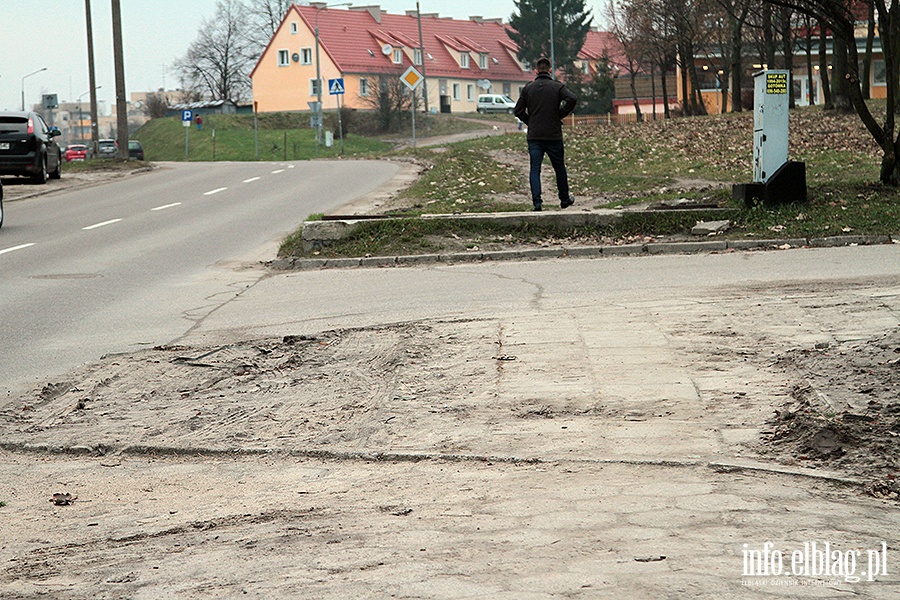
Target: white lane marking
{"points": [[251, 180], [215, 191], [277, 171], [290, 166], [14, 248], [165, 206], [103, 224]]}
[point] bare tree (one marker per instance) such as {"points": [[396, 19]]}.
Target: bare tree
{"points": [[391, 102], [218, 62], [627, 22], [688, 20], [839, 17], [659, 39], [156, 106], [265, 18], [870, 42], [737, 11]]}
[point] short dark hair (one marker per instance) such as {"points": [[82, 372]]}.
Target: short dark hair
{"points": [[543, 64]]}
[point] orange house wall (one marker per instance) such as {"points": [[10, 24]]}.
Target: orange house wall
{"points": [[287, 88], [277, 88]]}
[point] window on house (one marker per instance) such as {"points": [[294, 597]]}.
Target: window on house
{"points": [[306, 56], [470, 92], [456, 91], [464, 60], [398, 56], [879, 74], [314, 86], [284, 58], [363, 87], [417, 56], [483, 60], [293, 28]]}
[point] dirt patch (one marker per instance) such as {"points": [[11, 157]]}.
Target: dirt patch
{"points": [[844, 412], [379, 387]]}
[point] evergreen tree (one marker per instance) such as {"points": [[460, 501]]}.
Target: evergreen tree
{"points": [[531, 30], [595, 91]]}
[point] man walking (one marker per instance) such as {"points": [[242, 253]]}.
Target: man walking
{"points": [[542, 106]]}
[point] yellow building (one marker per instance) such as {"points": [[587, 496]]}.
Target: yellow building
{"points": [[461, 58]]}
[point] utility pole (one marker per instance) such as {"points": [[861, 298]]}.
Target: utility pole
{"points": [[95, 127], [121, 104], [424, 75], [318, 110], [552, 45]]}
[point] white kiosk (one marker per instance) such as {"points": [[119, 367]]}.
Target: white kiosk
{"points": [[776, 180]]}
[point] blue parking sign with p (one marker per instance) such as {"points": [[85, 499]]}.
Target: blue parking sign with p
{"points": [[187, 115]]}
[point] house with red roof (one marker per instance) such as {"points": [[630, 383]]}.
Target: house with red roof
{"points": [[460, 59]]}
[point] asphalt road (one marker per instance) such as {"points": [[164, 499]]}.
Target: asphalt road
{"points": [[135, 262]]}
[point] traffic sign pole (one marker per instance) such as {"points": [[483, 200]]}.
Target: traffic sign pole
{"points": [[336, 88], [186, 117], [411, 79], [340, 126]]}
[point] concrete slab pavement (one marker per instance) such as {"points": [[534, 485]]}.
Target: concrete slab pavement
{"points": [[600, 442]]}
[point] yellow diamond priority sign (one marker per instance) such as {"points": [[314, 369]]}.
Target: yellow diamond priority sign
{"points": [[411, 78]]}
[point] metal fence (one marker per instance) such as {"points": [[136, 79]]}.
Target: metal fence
{"points": [[609, 119]]}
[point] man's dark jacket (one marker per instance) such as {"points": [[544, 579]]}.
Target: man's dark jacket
{"points": [[542, 105]]}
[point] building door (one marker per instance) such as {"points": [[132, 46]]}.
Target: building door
{"points": [[445, 96]]}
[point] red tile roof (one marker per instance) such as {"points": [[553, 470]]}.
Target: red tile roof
{"points": [[348, 35], [603, 43], [353, 38]]}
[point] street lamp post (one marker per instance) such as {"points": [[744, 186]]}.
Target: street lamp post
{"points": [[23, 84], [81, 114], [319, 76]]}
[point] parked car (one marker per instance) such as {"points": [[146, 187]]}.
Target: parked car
{"points": [[28, 146], [75, 152], [495, 103], [135, 150], [107, 148]]}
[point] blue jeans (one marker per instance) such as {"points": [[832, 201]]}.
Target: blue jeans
{"points": [[554, 150]]}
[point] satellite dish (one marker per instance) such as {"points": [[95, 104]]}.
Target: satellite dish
{"points": [[484, 84], [387, 49]]}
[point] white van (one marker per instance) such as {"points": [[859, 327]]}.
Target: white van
{"points": [[495, 103]]}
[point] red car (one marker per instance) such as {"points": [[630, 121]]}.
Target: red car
{"points": [[75, 152]]}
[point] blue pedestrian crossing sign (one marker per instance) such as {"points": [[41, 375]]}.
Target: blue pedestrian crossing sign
{"points": [[336, 86]]}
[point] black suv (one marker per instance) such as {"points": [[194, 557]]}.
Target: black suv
{"points": [[28, 146]]}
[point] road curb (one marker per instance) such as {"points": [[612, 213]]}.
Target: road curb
{"points": [[650, 248]]}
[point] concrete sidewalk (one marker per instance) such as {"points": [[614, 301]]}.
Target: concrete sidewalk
{"points": [[583, 429]]}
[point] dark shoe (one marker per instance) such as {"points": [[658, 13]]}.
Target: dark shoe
{"points": [[537, 205], [537, 208], [567, 203]]}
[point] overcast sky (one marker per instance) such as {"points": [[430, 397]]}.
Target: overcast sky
{"points": [[155, 32]]}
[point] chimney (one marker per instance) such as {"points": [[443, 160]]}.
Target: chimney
{"points": [[477, 19], [497, 20], [373, 10]]}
